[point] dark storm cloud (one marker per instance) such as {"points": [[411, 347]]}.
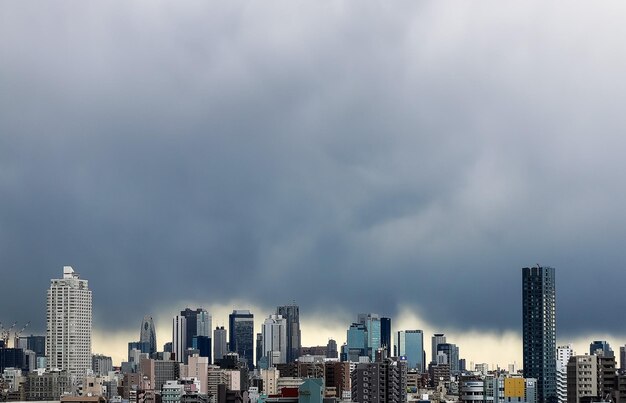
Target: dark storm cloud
{"points": [[362, 156]]}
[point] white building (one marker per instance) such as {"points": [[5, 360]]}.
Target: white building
{"points": [[563, 354], [275, 340], [68, 330], [179, 337]]}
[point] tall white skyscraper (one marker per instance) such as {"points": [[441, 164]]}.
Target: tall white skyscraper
{"points": [[275, 339], [179, 337], [68, 330]]}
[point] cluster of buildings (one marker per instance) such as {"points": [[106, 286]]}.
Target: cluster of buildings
{"points": [[204, 364]]}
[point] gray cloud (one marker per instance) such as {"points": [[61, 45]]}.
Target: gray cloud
{"points": [[362, 156]]}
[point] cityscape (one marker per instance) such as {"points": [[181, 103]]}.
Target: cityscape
{"points": [[201, 363], [312, 201]]}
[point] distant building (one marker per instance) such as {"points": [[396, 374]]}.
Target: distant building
{"points": [[101, 364], [69, 316], [600, 347], [436, 339], [357, 342], [274, 335], [410, 344], [48, 386], [147, 334], [372, 325], [241, 335], [291, 314], [385, 335], [220, 346], [179, 337], [331, 349], [452, 353]]}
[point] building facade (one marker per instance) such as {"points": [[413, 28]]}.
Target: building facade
{"points": [[241, 335], [147, 334], [291, 313], [69, 320], [410, 344], [539, 330]]}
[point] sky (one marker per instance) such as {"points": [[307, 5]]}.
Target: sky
{"points": [[403, 158]]}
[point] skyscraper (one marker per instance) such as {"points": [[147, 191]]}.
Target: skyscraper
{"points": [[291, 313], [539, 330], [241, 335], [198, 324], [436, 339], [68, 330], [220, 346], [601, 347], [410, 344], [385, 334], [179, 337], [372, 324], [148, 334], [275, 340]]}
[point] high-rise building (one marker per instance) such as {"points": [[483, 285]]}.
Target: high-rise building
{"points": [[147, 334], [291, 313], [451, 352], [220, 346], [622, 358], [600, 347], [198, 323], [410, 344], [380, 381], [385, 335], [68, 330], [357, 342], [101, 364], [539, 330], [435, 340], [582, 378], [331, 349], [372, 323], [274, 336], [179, 337], [241, 335]]}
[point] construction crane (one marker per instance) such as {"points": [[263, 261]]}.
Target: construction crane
{"points": [[17, 335]]}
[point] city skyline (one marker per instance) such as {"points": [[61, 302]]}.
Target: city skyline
{"points": [[405, 160]]}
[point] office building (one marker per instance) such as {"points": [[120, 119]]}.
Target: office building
{"points": [[357, 342], [539, 330], [68, 327], [331, 349], [147, 334], [600, 347], [220, 346], [241, 335], [179, 337], [410, 344], [385, 335], [291, 313], [198, 323], [372, 324], [435, 340], [451, 352], [274, 338]]}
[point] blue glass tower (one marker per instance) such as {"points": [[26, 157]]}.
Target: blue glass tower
{"points": [[539, 330]]}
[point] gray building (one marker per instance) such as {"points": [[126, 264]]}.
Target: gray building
{"points": [[220, 346], [380, 382], [539, 330], [47, 386], [294, 338], [147, 334], [101, 364]]}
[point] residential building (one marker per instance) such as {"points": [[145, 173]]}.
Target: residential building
{"points": [[582, 378], [563, 354], [380, 381], [69, 320], [539, 330], [101, 365]]}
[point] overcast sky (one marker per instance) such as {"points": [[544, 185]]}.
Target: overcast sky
{"points": [[401, 158]]}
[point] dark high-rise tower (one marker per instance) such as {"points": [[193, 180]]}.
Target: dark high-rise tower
{"points": [[385, 334], [292, 314], [241, 335], [539, 330]]}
